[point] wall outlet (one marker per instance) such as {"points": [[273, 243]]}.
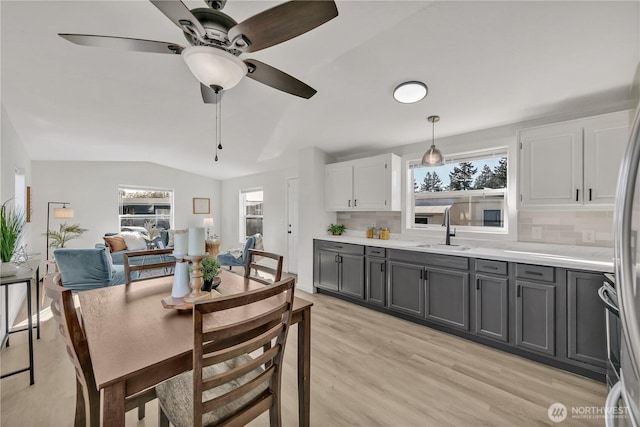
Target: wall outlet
{"points": [[536, 233], [588, 236]]}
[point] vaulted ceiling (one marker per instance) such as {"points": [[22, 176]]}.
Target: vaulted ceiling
{"points": [[486, 64]]}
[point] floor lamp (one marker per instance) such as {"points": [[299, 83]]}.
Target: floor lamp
{"points": [[59, 213]]}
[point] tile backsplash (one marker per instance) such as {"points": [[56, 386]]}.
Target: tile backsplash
{"points": [[566, 228]]}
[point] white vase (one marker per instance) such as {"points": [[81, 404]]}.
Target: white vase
{"points": [[181, 280], [8, 269]]}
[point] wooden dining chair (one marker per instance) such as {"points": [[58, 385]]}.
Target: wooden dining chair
{"points": [[263, 273], [159, 260], [233, 379], [70, 327]]}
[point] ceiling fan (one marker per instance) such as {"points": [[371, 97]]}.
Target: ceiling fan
{"points": [[216, 40]]}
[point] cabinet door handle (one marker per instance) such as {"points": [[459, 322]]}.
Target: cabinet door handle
{"points": [[577, 194], [477, 283], [517, 291], [533, 273], [339, 259], [355, 202], [421, 274], [349, 203], [590, 191], [336, 258], [382, 267]]}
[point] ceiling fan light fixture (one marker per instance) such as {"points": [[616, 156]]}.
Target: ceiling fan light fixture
{"points": [[214, 67], [433, 156], [410, 92]]}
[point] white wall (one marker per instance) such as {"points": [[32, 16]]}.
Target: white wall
{"points": [[13, 156], [274, 185], [314, 218], [92, 190]]}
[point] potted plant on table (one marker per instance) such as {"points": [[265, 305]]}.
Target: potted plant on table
{"points": [[210, 268], [12, 223], [66, 232], [336, 229]]}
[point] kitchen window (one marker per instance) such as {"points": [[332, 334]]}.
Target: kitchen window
{"points": [[140, 205], [251, 215], [472, 186]]}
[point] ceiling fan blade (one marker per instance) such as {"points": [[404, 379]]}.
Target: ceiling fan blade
{"points": [[123, 43], [277, 79], [209, 95], [280, 24], [180, 15]]}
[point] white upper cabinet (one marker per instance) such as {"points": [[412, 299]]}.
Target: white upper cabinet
{"points": [[572, 163], [369, 184], [605, 141], [339, 186]]}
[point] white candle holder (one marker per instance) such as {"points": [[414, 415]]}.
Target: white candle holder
{"points": [[196, 279]]}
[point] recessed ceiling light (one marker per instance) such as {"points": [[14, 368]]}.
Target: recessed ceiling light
{"points": [[410, 92]]}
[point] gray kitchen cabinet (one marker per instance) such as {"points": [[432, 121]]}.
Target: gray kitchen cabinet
{"points": [[351, 275], [406, 288], [492, 306], [327, 269], [376, 276], [586, 324], [340, 267], [535, 319], [491, 303], [447, 297]]}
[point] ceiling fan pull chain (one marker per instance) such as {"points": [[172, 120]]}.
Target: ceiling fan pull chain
{"points": [[220, 123], [217, 94]]}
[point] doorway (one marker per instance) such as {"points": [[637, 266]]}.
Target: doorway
{"points": [[291, 261]]}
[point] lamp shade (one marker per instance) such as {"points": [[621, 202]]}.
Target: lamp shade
{"points": [[214, 67], [207, 222], [433, 157], [63, 213]]}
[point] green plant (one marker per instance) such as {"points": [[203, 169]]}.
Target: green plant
{"points": [[336, 228], [62, 236], [209, 268], [12, 223]]}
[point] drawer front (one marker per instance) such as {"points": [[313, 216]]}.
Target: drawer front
{"points": [[536, 272], [345, 248], [425, 258], [375, 251], [491, 266]]}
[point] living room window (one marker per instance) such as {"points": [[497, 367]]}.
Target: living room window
{"points": [[251, 214], [472, 186], [140, 205]]}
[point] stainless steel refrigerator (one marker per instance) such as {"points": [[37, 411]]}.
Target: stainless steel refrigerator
{"points": [[623, 401]]}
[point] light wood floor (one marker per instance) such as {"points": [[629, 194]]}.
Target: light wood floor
{"points": [[368, 369]]}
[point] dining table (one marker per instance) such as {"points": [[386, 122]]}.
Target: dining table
{"points": [[136, 343]]}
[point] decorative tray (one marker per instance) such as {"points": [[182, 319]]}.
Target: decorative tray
{"points": [[179, 304]]}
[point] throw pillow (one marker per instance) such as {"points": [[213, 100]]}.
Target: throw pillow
{"points": [[115, 243], [134, 240]]}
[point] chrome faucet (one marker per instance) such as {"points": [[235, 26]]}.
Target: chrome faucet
{"points": [[446, 222]]}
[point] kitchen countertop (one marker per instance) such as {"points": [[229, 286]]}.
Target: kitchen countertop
{"points": [[588, 258]]}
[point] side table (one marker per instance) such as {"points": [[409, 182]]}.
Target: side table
{"points": [[27, 275], [213, 248]]}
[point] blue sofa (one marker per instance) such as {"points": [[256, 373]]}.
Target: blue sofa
{"points": [[160, 242], [83, 269]]}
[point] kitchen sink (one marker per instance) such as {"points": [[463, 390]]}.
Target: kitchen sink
{"points": [[443, 246]]}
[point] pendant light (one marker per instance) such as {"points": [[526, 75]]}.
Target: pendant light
{"points": [[433, 156]]}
